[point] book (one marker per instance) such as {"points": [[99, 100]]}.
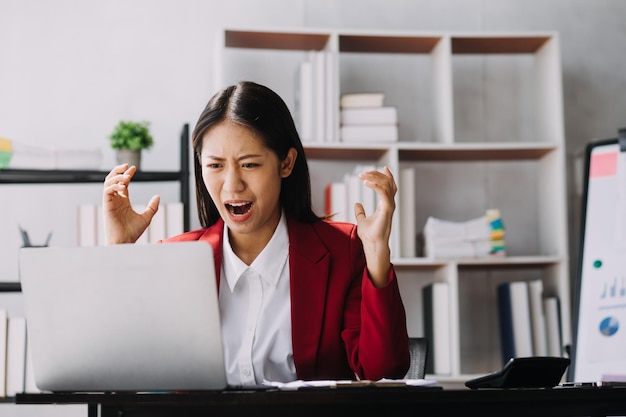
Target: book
{"points": [[87, 225], [369, 116], [436, 313], [552, 311], [144, 238], [318, 59], [330, 94], [316, 97], [369, 198], [174, 218], [340, 197], [158, 227], [100, 225], [335, 201], [16, 355], [538, 323], [514, 320], [406, 197], [353, 193], [373, 99], [4, 317], [368, 133], [304, 101]]}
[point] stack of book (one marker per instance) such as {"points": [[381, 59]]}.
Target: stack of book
{"points": [[16, 372], [315, 94], [340, 196], [530, 323], [17, 155], [476, 238], [364, 118], [168, 221]]}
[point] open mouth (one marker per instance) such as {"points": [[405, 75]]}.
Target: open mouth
{"points": [[238, 209]]}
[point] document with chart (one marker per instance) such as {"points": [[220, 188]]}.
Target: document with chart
{"points": [[600, 305]]}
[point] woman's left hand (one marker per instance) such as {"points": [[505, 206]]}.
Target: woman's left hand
{"points": [[374, 229]]}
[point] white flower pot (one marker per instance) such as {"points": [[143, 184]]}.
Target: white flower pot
{"points": [[130, 157]]}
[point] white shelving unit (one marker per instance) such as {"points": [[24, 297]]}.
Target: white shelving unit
{"points": [[480, 121]]}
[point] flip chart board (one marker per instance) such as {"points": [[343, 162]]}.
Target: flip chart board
{"points": [[599, 343]]}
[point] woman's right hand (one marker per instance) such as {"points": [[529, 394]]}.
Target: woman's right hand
{"points": [[122, 224]]}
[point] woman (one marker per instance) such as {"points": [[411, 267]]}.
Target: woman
{"points": [[300, 297]]}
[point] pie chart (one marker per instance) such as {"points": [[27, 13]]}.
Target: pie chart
{"points": [[609, 326]]}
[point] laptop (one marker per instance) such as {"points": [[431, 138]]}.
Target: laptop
{"points": [[129, 317]]}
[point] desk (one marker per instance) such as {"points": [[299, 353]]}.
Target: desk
{"points": [[603, 401]]}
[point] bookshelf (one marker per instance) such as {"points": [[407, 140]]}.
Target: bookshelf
{"points": [[480, 122]]}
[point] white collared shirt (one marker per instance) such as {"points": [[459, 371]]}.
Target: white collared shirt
{"points": [[255, 309]]}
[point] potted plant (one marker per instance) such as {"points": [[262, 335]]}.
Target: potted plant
{"points": [[129, 138]]}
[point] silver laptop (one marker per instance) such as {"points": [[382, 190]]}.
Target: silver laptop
{"points": [[141, 317]]}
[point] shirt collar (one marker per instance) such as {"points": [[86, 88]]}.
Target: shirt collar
{"points": [[268, 264]]}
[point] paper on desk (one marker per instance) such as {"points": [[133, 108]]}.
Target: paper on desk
{"points": [[294, 385], [410, 382], [297, 384]]}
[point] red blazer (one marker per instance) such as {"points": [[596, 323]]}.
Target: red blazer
{"points": [[341, 324]]}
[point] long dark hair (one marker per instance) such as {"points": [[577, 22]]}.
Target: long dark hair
{"points": [[264, 112]]}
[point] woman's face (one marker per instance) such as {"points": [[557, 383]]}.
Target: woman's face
{"points": [[243, 177]]}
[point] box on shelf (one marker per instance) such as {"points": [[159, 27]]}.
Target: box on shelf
{"points": [[78, 159], [24, 156]]}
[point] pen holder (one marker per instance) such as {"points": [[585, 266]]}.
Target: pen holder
{"points": [[27, 243]]}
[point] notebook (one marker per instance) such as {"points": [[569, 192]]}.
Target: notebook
{"points": [[130, 317]]}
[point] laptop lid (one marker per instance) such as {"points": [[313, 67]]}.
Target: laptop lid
{"points": [[131, 317]]}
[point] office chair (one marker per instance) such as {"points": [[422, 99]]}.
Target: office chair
{"points": [[418, 347]]}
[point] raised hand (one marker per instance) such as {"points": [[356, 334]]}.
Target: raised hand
{"points": [[374, 229], [122, 224]]}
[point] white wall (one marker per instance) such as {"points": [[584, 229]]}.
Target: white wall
{"points": [[70, 69]]}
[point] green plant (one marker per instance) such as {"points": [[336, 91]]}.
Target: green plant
{"points": [[131, 135]]}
